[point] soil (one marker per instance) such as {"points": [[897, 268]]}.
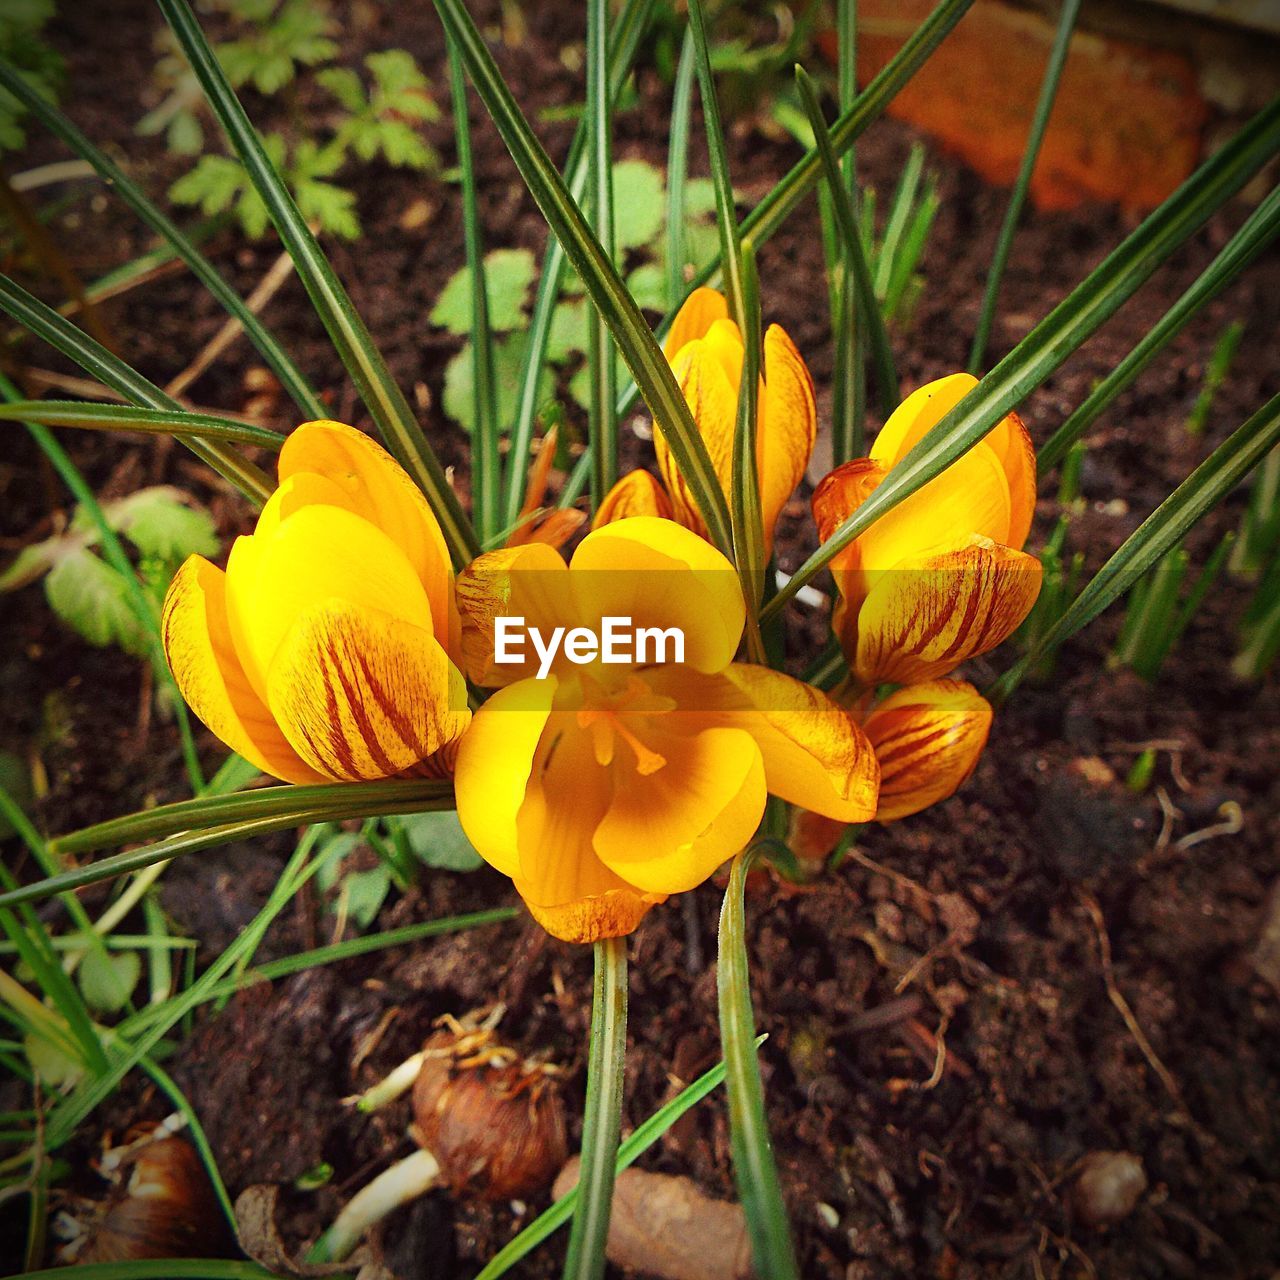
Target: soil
{"points": [[944, 1047]]}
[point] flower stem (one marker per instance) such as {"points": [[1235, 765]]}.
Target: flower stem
{"points": [[602, 1119], [406, 1180], [753, 1164]]}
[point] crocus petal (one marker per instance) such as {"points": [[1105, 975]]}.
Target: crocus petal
{"points": [[788, 425], [530, 582], [494, 764], [363, 694], [932, 612], [668, 830], [700, 370], [566, 887], [971, 497], [317, 554], [815, 754], [638, 493], [701, 309], [661, 575], [378, 489], [197, 642], [1009, 440], [928, 738]]}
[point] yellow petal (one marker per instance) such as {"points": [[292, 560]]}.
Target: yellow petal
{"points": [[668, 830], [566, 887], [1009, 440], [529, 581], [197, 642], [815, 754], [787, 428], [611, 914], [553, 531], [494, 764], [377, 488], [661, 575], [928, 738], [701, 309], [918, 414], [318, 553], [932, 612], [364, 694], [638, 493], [700, 370]]}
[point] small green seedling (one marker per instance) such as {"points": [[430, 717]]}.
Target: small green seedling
{"points": [[22, 44], [1159, 612], [1224, 354]]}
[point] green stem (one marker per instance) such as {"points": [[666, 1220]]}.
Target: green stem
{"points": [[754, 1167], [602, 1118]]}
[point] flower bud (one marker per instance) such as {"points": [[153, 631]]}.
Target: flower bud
{"points": [[493, 1120]]}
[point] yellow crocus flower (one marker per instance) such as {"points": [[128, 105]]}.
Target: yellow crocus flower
{"points": [[705, 350], [600, 789], [325, 651], [942, 577]]}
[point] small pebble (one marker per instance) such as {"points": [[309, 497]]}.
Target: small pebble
{"points": [[1109, 1186]]}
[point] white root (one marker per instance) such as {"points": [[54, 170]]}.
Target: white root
{"points": [[406, 1180]]}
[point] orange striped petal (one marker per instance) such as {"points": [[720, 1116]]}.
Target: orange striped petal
{"points": [[928, 738], [557, 528], [318, 553], [530, 581], [564, 883], [377, 488], [929, 613], [362, 694], [666, 831], [701, 309], [662, 575], [494, 767], [638, 493], [788, 425], [202, 657], [815, 754]]}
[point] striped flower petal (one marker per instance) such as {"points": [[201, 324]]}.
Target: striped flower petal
{"points": [[362, 694], [928, 738], [638, 493]]}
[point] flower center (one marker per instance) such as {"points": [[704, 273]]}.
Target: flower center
{"points": [[618, 713]]}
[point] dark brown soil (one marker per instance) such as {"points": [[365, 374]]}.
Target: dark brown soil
{"points": [[943, 1049]]}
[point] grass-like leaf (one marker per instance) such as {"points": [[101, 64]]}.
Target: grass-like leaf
{"points": [[678, 166], [1039, 122], [644, 1136], [291, 377], [486, 460], [99, 363], [127, 417], [602, 426], [753, 1164], [1258, 230], [629, 25], [322, 798], [1158, 534], [868, 308], [350, 336], [630, 332], [1062, 332]]}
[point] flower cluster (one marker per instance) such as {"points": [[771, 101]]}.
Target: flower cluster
{"points": [[338, 644]]}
